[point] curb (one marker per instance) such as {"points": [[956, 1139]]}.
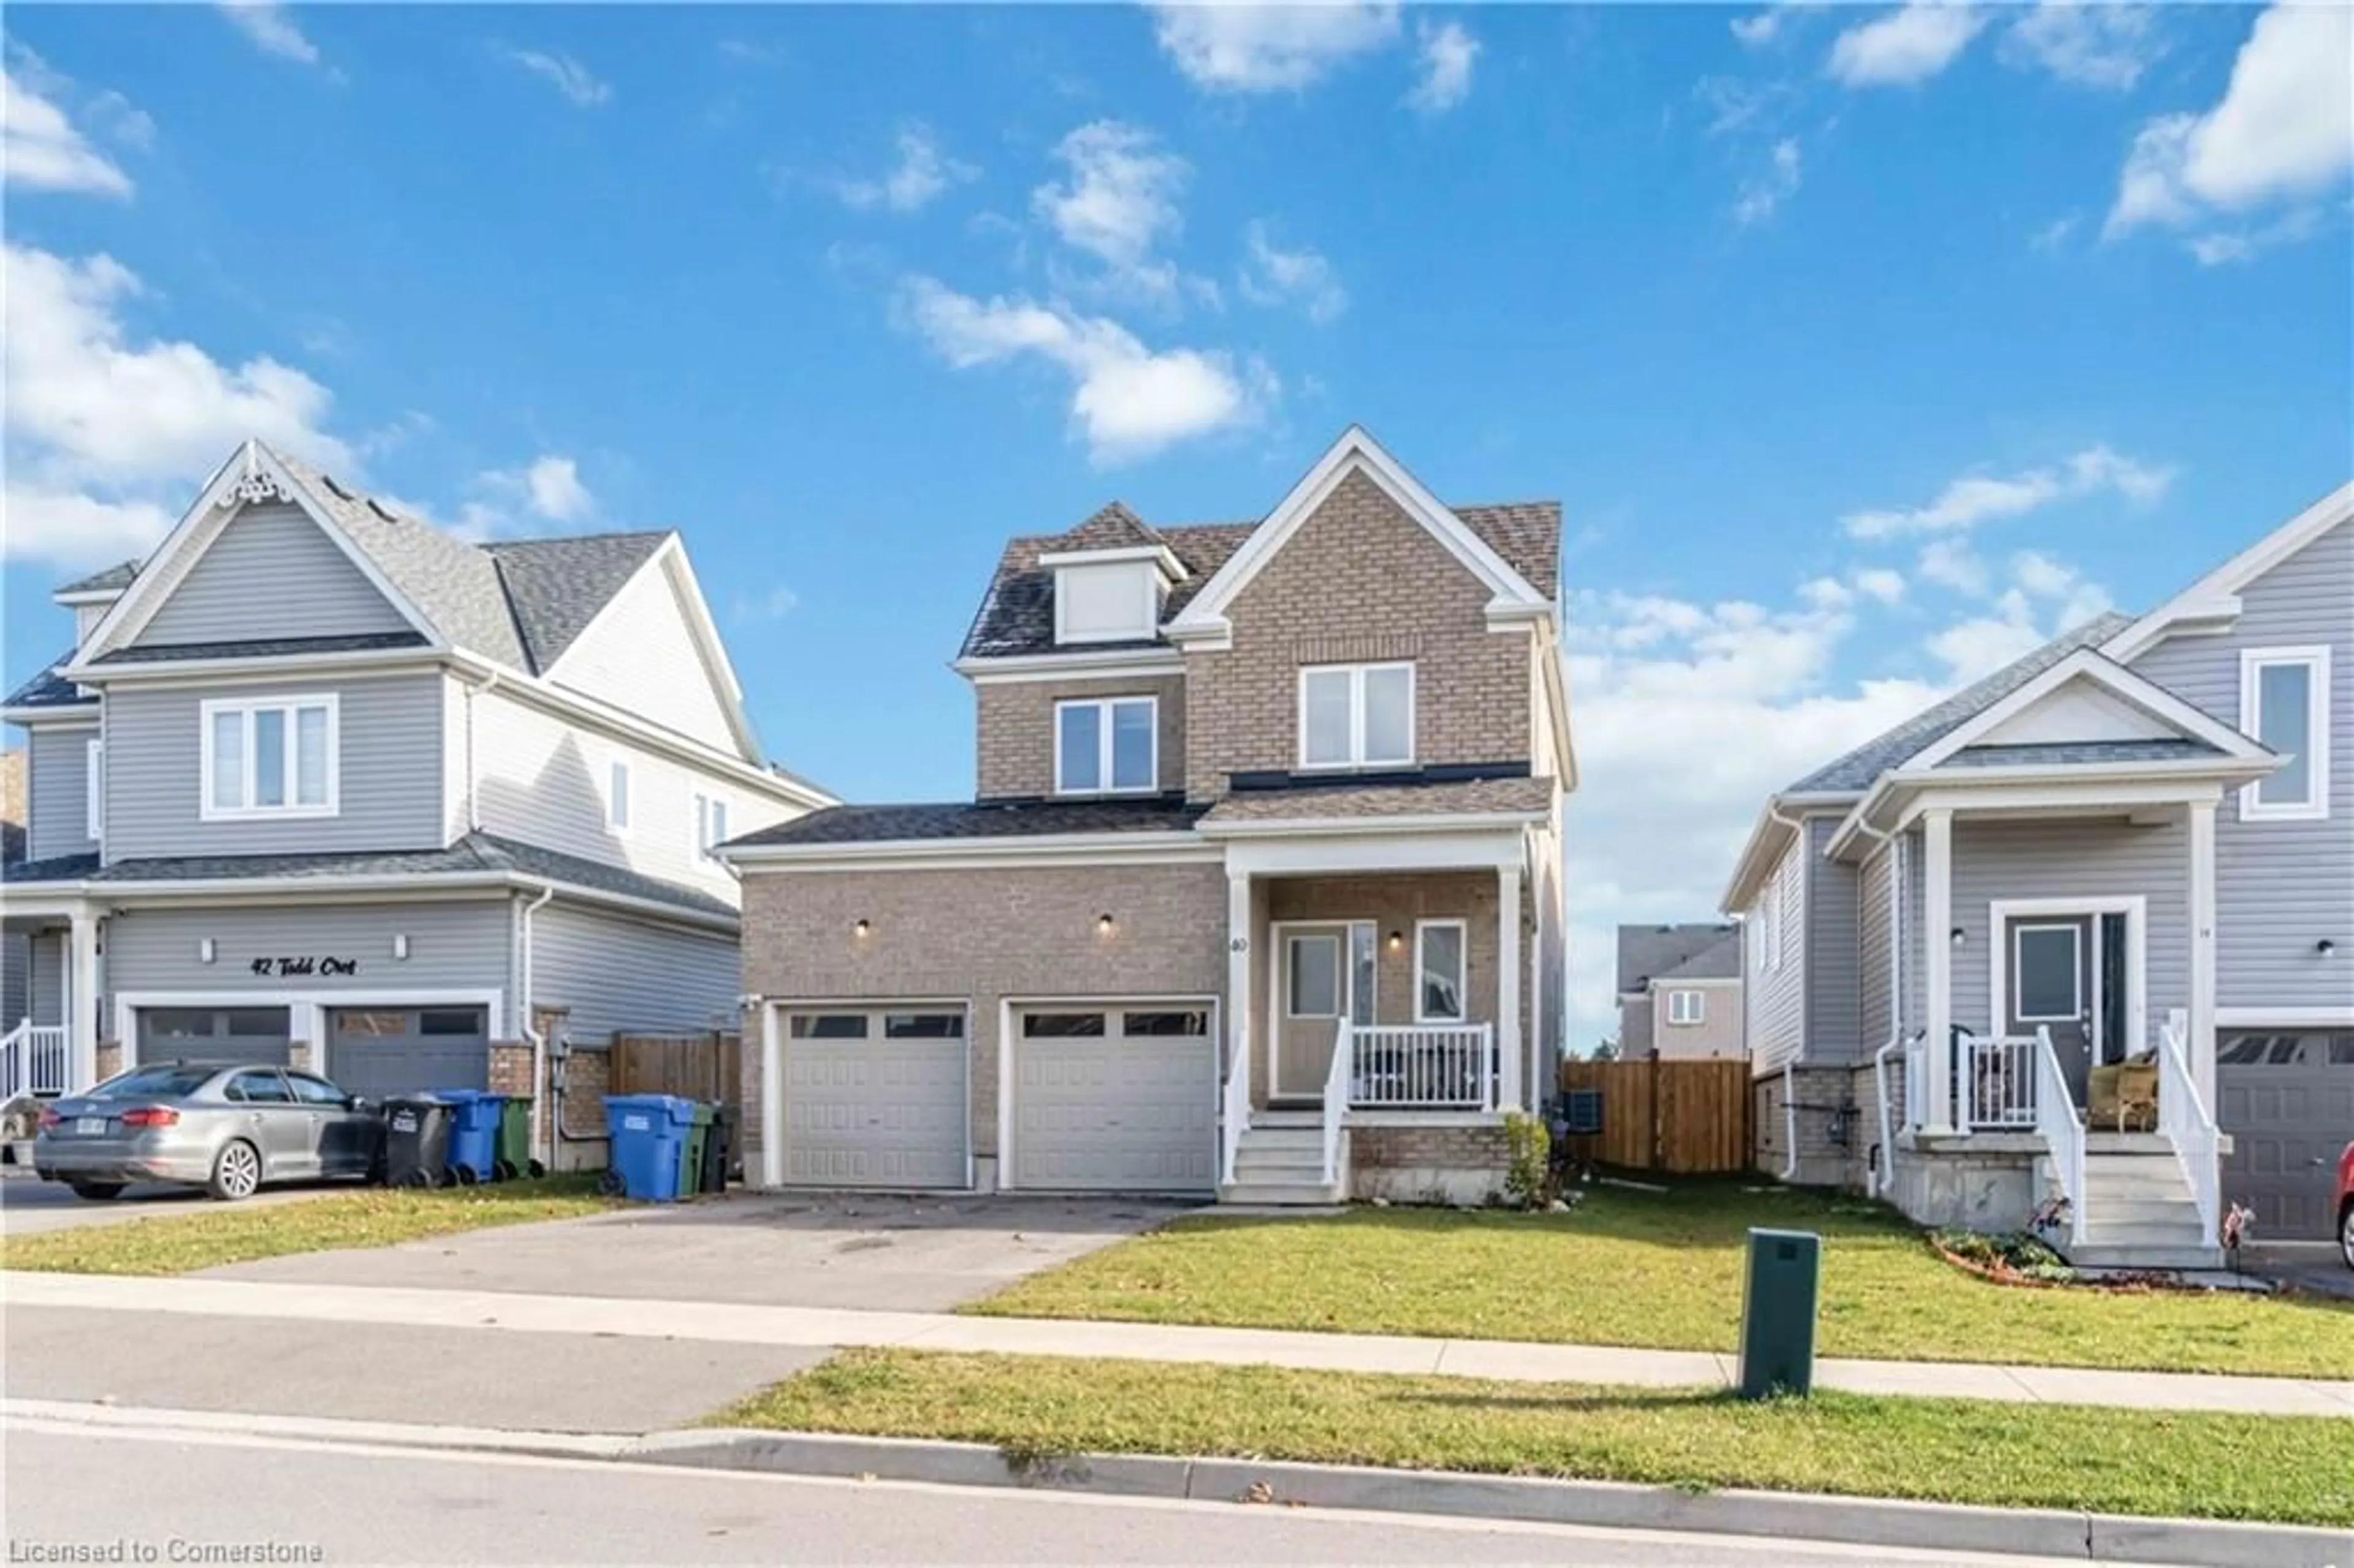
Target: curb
{"points": [[1859, 1521]]}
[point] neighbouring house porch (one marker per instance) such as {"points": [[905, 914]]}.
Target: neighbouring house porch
{"points": [[54, 1049]]}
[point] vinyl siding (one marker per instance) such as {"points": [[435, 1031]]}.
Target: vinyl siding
{"points": [[389, 789], [1915, 933], [641, 657], [616, 973], [1876, 936], [1634, 1027], [15, 979], [1716, 1036], [2280, 887], [45, 978], [2095, 859], [455, 945], [542, 780], [56, 767], [270, 573], [1833, 981], [1776, 996]]}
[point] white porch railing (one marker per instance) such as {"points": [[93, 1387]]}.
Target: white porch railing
{"points": [[1234, 1115], [1336, 1098], [2063, 1135], [2183, 1117], [33, 1060], [1998, 1085], [1419, 1066]]}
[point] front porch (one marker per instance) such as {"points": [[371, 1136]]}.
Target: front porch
{"points": [[53, 1049]]}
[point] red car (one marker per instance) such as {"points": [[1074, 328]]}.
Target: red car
{"points": [[2346, 1204]]}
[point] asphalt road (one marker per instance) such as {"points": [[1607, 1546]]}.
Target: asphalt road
{"points": [[307, 1503], [30, 1206]]}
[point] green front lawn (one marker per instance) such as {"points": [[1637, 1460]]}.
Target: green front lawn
{"points": [[363, 1217], [1662, 1272], [2293, 1469]]}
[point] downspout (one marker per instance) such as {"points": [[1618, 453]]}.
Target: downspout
{"points": [[473, 797], [1877, 1171], [530, 1024]]}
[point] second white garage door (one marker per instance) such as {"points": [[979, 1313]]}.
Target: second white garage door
{"points": [[1115, 1098], [875, 1097]]}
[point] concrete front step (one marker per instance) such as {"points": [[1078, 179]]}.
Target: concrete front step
{"points": [[1281, 1194], [2143, 1254], [2176, 1215]]}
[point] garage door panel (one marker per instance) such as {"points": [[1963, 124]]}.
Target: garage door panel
{"points": [[379, 1052], [2286, 1100], [1110, 1112], [875, 1112]]}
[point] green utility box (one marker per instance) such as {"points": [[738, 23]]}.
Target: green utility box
{"points": [[690, 1151], [1778, 1313]]}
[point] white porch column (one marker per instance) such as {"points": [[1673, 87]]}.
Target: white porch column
{"points": [[1238, 971], [2199, 1046], [81, 1002], [1508, 986], [772, 1097], [1938, 977]]}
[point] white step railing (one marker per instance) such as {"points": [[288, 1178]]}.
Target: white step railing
{"points": [[33, 1060], [1421, 1066], [1998, 1082], [1233, 1112], [2063, 1135], [2183, 1117], [1336, 1096]]}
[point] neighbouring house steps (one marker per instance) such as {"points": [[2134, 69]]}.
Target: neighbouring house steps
{"points": [[2138, 1208], [1281, 1162]]}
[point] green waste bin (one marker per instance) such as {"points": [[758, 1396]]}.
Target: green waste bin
{"points": [[690, 1151], [513, 1158], [1778, 1313]]}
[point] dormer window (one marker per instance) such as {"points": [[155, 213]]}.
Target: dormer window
{"points": [[1109, 595]]}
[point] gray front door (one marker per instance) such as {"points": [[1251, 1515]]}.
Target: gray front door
{"points": [[220, 1035], [2287, 1103], [1311, 998], [2053, 980], [379, 1052]]}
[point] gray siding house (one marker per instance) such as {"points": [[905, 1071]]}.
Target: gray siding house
{"points": [[2132, 849], [321, 784], [1679, 993]]}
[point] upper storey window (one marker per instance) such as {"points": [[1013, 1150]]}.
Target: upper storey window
{"points": [[1356, 716], [1106, 747], [1108, 595], [2284, 703], [269, 756]]}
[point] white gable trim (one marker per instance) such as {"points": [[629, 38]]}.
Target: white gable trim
{"points": [[1354, 452], [670, 559], [253, 474], [2212, 602], [2085, 664]]}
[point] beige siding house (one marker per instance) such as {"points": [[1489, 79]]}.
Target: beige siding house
{"points": [[1259, 891], [1680, 994]]}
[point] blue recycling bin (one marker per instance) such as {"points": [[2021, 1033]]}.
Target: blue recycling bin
{"points": [[473, 1133], [647, 1133]]}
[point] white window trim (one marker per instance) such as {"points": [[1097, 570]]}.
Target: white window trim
{"points": [[2315, 659], [1104, 744], [1357, 759], [697, 815], [1148, 581], [1676, 1009], [209, 709], [627, 796], [94, 790], [1340, 960], [1422, 930], [2019, 930]]}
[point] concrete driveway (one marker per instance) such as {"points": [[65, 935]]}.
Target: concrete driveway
{"points": [[909, 1254], [29, 1206]]}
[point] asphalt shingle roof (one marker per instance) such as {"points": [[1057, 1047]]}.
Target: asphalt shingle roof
{"points": [[1314, 802], [115, 578], [1654, 952], [557, 586], [261, 647], [978, 819], [1854, 773], [474, 852], [1017, 613], [50, 690], [2081, 751]]}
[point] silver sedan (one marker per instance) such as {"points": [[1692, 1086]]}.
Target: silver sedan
{"points": [[227, 1130]]}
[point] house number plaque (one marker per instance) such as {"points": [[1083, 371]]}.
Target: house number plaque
{"points": [[305, 966]]}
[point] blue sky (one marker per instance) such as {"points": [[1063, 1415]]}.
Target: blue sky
{"points": [[1863, 346]]}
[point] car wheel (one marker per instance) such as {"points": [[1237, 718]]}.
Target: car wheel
{"points": [[97, 1191], [2345, 1233], [236, 1172]]}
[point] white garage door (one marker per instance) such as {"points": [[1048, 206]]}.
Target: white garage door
{"points": [[1118, 1098], [875, 1097]]}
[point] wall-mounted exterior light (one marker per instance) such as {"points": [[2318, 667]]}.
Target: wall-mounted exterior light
{"points": [[207, 951], [862, 929], [1959, 939], [401, 946]]}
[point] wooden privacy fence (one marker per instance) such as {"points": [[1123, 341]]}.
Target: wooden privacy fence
{"points": [[697, 1067], [1685, 1118]]}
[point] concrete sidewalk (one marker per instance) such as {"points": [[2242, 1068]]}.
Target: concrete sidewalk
{"points": [[821, 1328]]}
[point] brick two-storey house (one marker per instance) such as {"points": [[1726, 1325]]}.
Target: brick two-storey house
{"points": [[1259, 892]]}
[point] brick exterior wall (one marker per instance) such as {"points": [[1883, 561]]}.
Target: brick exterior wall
{"points": [[1394, 902], [1016, 744], [1359, 580], [110, 1059], [1838, 1123], [986, 935], [1427, 1164]]}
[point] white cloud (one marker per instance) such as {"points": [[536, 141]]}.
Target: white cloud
{"points": [[1881, 583], [1446, 54], [2103, 43], [2053, 235], [272, 31], [774, 604], [1762, 27], [1907, 46], [1118, 202], [575, 80], [1764, 193], [39, 147], [512, 501], [2224, 247], [1248, 49], [107, 433], [922, 174], [1127, 401], [1976, 498], [2045, 599], [2282, 131], [1951, 563], [1273, 276]]}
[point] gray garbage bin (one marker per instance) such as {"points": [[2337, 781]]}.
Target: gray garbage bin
{"points": [[1778, 1313]]}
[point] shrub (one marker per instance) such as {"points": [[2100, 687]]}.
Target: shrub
{"points": [[1528, 1178]]}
